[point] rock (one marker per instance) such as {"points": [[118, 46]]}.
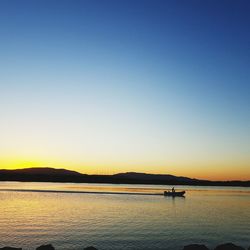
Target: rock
{"points": [[90, 248], [228, 246], [46, 247], [195, 247], [10, 248]]}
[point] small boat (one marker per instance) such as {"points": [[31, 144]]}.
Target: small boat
{"points": [[173, 194]]}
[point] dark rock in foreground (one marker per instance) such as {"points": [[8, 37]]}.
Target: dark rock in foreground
{"points": [[228, 246], [46, 247], [10, 248], [195, 247], [90, 248]]}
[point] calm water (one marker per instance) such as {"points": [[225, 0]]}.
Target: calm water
{"points": [[112, 221]]}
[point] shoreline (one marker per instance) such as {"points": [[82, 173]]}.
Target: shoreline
{"points": [[246, 184], [224, 246]]}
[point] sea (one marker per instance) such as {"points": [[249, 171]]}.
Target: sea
{"points": [[71, 216]]}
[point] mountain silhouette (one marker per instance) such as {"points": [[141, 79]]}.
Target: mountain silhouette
{"points": [[64, 175], [42, 171], [155, 177]]}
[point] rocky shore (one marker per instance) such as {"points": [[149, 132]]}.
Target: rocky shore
{"points": [[226, 246]]}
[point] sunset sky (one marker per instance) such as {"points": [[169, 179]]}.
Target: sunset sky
{"points": [[102, 86]]}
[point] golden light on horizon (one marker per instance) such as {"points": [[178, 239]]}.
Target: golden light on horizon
{"points": [[198, 171]]}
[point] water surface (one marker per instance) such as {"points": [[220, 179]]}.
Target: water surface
{"points": [[208, 215]]}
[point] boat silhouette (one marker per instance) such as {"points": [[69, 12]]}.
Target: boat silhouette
{"points": [[173, 194]]}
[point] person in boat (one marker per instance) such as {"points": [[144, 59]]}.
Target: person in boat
{"points": [[173, 190]]}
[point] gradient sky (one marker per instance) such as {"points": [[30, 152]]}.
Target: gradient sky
{"points": [[113, 86]]}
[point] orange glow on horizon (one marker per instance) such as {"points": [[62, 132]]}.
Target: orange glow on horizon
{"points": [[208, 173]]}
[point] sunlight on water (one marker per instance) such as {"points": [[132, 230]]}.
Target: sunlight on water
{"points": [[73, 221]]}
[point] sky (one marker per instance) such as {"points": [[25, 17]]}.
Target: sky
{"points": [[102, 87]]}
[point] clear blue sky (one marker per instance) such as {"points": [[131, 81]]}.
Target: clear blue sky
{"points": [[112, 86]]}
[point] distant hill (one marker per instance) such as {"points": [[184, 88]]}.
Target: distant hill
{"points": [[40, 171], [64, 175], [153, 177], [40, 174]]}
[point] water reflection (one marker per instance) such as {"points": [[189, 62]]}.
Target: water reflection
{"points": [[121, 187], [71, 221]]}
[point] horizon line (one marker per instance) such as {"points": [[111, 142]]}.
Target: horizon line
{"points": [[181, 176]]}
